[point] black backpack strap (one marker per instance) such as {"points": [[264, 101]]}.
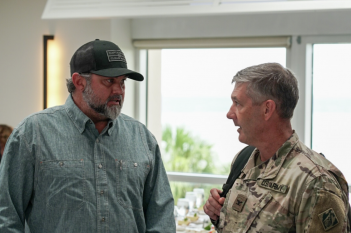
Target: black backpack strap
{"points": [[238, 165]]}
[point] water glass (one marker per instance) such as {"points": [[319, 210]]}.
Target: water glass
{"points": [[200, 195], [183, 207]]}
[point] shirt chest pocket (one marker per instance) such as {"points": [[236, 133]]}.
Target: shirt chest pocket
{"points": [[130, 177], [61, 182]]}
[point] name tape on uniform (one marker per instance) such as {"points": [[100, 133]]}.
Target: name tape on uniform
{"points": [[282, 188]]}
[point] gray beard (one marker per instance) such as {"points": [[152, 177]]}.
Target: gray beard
{"points": [[96, 104]]}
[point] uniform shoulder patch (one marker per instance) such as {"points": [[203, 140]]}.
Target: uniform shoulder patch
{"points": [[328, 213], [328, 219]]}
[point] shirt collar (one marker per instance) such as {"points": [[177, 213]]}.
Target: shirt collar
{"points": [[110, 126], [273, 165], [80, 120]]}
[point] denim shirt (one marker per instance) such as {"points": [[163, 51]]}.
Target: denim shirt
{"points": [[60, 175]]}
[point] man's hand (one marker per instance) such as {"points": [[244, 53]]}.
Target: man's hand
{"points": [[214, 204]]}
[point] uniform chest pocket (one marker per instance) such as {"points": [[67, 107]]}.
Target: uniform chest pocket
{"points": [[242, 210], [232, 218], [131, 176], [61, 182], [257, 209]]}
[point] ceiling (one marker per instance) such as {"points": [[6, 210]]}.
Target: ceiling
{"points": [[61, 9]]}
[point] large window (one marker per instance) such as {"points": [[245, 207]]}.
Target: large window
{"points": [[194, 97], [331, 113]]}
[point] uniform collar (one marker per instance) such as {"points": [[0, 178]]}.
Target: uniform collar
{"points": [[270, 168], [80, 120]]}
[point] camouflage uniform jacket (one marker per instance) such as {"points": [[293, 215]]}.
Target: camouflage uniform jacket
{"points": [[296, 190]]}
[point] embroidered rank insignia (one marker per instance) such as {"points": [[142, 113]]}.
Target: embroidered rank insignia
{"points": [[328, 219], [281, 188], [239, 202]]}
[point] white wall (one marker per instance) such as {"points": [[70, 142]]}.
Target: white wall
{"points": [[21, 53], [273, 24]]}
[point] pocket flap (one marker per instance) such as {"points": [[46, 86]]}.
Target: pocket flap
{"points": [[51, 164], [261, 204]]}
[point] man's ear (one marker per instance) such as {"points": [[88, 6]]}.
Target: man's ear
{"points": [[79, 82], [269, 107]]}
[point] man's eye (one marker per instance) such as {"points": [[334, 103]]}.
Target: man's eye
{"points": [[110, 80]]}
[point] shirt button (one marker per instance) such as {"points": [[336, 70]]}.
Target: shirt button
{"points": [[103, 220], [100, 166], [102, 192], [97, 140], [61, 164]]}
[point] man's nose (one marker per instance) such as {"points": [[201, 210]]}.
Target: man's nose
{"points": [[118, 88], [231, 113]]}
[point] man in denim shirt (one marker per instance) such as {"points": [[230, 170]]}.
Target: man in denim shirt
{"points": [[84, 166]]}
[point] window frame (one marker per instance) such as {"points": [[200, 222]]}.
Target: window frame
{"points": [[299, 58]]}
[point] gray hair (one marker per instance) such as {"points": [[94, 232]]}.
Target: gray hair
{"points": [[70, 85], [271, 81]]}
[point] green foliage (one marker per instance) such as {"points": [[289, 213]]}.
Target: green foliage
{"points": [[182, 152], [185, 153]]}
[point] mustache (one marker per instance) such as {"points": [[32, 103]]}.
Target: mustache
{"points": [[114, 97]]}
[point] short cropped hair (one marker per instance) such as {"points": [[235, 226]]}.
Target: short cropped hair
{"points": [[70, 85], [271, 81]]}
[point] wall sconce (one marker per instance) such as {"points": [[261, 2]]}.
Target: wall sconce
{"points": [[45, 43], [54, 85]]}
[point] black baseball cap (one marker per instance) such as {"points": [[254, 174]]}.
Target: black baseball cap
{"points": [[102, 58]]}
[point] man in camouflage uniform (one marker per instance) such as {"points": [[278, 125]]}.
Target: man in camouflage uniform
{"points": [[284, 186]]}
